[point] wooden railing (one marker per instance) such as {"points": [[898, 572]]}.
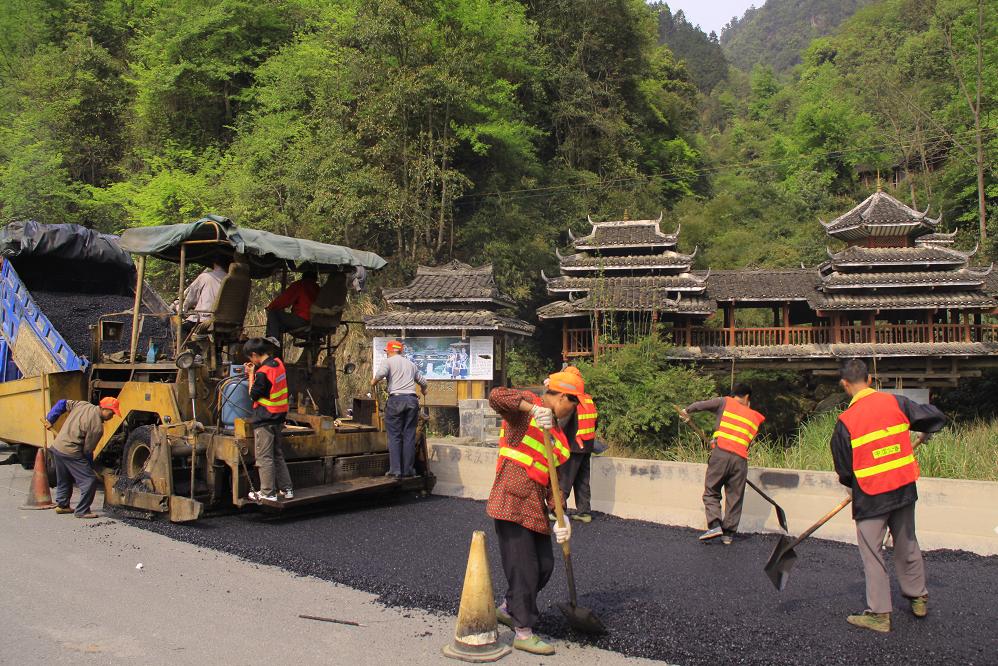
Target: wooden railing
{"points": [[579, 342]]}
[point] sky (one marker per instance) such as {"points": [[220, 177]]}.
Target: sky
{"points": [[712, 14]]}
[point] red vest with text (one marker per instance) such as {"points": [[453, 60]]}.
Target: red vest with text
{"points": [[277, 401], [529, 453], [738, 427], [586, 412], [882, 456]]}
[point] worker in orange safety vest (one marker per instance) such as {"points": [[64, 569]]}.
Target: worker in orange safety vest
{"points": [[736, 426], [874, 457], [574, 475]]}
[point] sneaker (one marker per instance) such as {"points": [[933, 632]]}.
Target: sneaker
{"points": [[503, 617], [63, 509], [88, 516], [585, 517], [391, 475], [920, 606], [712, 533], [869, 620], [727, 540], [533, 645], [287, 494], [258, 496]]}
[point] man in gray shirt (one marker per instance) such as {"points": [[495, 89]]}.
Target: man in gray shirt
{"points": [[402, 409]]}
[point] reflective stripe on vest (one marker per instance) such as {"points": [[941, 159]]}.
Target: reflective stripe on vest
{"points": [[882, 456], [529, 453], [738, 427], [276, 401], [586, 412]]}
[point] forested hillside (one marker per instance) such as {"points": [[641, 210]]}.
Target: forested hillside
{"points": [[701, 53], [777, 31], [482, 129]]}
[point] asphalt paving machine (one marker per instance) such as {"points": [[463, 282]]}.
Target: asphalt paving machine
{"points": [[183, 443]]}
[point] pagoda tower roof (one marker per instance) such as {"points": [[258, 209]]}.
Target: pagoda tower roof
{"points": [[625, 234], [881, 215]]}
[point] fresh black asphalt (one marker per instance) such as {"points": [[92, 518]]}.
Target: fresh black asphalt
{"points": [[662, 594]]}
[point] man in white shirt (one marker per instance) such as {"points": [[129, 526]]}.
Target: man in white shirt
{"points": [[200, 296]]}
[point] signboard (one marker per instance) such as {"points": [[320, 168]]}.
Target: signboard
{"points": [[444, 358]]}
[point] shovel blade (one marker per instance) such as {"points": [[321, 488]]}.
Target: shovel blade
{"points": [[582, 619], [781, 562]]}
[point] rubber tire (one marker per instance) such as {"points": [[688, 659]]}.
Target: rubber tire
{"points": [[136, 451]]}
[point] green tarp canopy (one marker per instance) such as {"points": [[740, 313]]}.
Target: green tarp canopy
{"points": [[266, 252]]}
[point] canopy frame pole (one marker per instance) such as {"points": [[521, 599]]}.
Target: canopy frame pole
{"points": [[180, 298], [139, 284]]}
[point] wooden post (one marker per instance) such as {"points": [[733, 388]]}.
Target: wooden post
{"points": [[837, 328], [966, 327], [930, 319], [731, 324], [689, 331], [786, 323], [180, 298], [872, 323], [136, 313], [564, 340]]}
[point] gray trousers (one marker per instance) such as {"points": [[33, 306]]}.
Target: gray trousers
{"points": [[70, 470], [908, 564], [729, 471], [573, 474], [401, 416], [270, 458]]}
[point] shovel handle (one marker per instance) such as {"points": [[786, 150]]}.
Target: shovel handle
{"points": [[693, 426], [559, 513]]}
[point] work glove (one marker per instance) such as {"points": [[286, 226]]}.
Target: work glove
{"points": [[563, 534], [543, 416], [684, 415]]}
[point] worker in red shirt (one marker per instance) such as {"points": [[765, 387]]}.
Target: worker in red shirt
{"points": [[299, 297], [521, 494]]}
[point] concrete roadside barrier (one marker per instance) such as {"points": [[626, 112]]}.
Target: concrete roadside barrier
{"points": [[951, 513]]}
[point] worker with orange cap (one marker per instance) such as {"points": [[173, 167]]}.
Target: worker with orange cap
{"points": [[521, 493], [73, 450], [575, 473]]}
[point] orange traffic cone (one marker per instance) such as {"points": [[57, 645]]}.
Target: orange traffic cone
{"points": [[476, 636], [39, 496]]}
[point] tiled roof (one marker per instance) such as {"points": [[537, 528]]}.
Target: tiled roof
{"points": [[877, 280], [628, 301], [624, 234], [919, 255], [894, 301], [880, 214], [454, 282], [940, 238], [669, 259], [481, 320], [837, 351], [797, 284], [681, 282]]}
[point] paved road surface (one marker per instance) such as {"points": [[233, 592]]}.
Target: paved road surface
{"points": [[71, 595]]}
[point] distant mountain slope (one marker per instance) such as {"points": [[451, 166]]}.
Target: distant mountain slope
{"points": [[776, 33], [703, 55]]}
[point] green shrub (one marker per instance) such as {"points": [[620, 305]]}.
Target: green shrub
{"points": [[635, 389]]}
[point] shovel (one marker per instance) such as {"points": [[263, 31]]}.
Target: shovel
{"points": [[781, 517], [784, 558], [579, 618]]}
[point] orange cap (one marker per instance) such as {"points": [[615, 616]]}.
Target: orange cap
{"points": [[393, 345], [113, 404], [572, 369], [566, 382]]}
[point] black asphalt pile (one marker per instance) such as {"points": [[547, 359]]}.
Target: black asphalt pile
{"points": [[662, 594], [72, 315]]}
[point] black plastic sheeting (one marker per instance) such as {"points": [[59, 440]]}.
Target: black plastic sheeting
{"points": [[662, 594], [62, 241]]}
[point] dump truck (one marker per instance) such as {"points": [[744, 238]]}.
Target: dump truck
{"points": [[182, 444]]}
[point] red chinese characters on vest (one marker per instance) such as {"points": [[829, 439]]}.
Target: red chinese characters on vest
{"points": [[738, 427], [276, 401], [882, 456], [586, 412]]}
